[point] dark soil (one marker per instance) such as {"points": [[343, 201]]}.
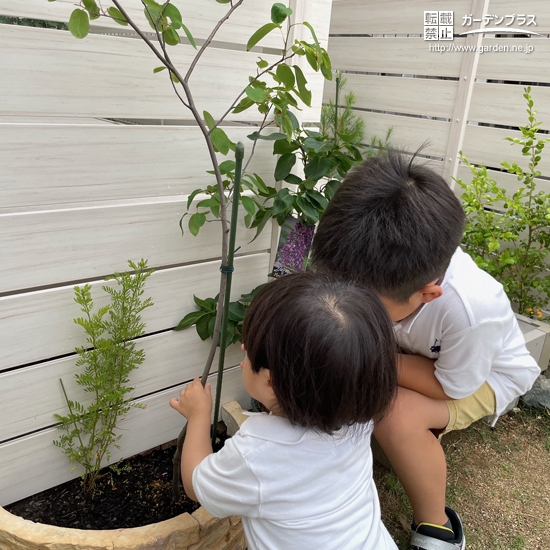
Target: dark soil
{"points": [[138, 493]]}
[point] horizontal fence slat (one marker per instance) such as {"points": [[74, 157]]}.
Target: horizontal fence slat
{"points": [[487, 146], [47, 248], [46, 164], [389, 16], [103, 76], [527, 7], [515, 66], [408, 132], [508, 181], [417, 96], [171, 358], [409, 56], [36, 326], [32, 464], [504, 104], [200, 20]]}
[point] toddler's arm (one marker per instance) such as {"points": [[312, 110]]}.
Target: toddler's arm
{"points": [[417, 373], [195, 403]]}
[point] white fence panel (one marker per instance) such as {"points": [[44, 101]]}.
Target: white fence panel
{"points": [[415, 96], [35, 326], [51, 247], [47, 164], [32, 463], [171, 358]]}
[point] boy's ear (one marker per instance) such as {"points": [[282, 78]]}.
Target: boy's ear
{"points": [[430, 292]]}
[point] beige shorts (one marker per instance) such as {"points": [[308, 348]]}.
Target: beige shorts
{"points": [[463, 412]]}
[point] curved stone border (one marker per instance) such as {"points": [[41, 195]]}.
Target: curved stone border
{"points": [[197, 531]]}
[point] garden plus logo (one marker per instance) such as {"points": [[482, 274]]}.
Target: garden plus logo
{"points": [[501, 24], [438, 25]]}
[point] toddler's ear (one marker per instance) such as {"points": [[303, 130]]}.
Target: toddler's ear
{"points": [[431, 292]]}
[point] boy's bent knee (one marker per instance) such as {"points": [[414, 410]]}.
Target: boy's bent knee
{"points": [[411, 413]]}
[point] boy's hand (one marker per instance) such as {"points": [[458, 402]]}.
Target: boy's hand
{"points": [[194, 400]]}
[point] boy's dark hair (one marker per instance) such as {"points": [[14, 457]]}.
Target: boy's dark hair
{"points": [[329, 347], [393, 225]]}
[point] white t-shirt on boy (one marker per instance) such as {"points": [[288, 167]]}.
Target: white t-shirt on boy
{"points": [[295, 489], [472, 333]]}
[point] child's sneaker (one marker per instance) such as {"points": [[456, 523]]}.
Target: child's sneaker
{"points": [[422, 538]]}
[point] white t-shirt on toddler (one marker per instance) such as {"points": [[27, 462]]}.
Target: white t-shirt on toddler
{"points": [[296, 489]]}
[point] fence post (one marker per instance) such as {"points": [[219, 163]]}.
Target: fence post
{"points": [[464, 92]]}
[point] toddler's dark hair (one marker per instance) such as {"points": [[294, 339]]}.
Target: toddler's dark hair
{"points": [[329, 347], [393, 225]]}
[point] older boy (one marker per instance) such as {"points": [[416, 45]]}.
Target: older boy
{"points": [[396, 226]]}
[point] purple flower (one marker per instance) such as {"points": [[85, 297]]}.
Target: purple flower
{"points": [[295, 250]]}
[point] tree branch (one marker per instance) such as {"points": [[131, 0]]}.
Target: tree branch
{"points": [[210, 38], [282, 60]]}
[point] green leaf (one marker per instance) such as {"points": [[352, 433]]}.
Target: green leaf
{"points": [[206, 305], [258, 95], [181, 223], [312, 143], [283, 146], [247, 298], [189, 36], [173, 13], [262, 64], [209, 120], [262, 217], [311, 56], [303, 92], [208, 203], [223, 1], [293, 120], [202, 326], [249, 204], [317, 168], [192, 196], [117, 16], [275, 136], [79, 23], [158, 69], [92, 8], [153, 14], [171, 37], [260, 33], [331, 187], [174, 78], [227, 166], [317, 199], [196, 221], [311, 213], [286, 123], [189, 320], [153, 5], [308, 25], [326, 66], [220, 140], [244, 104], [286, 76], [279, 12], [237, 311], [284, 165], [293, 179]]}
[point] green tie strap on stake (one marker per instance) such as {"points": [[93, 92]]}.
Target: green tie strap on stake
{"points": [[228, 270]]}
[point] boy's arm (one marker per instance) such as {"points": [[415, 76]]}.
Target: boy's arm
{"points": [[417, 373], [195, 403]]}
